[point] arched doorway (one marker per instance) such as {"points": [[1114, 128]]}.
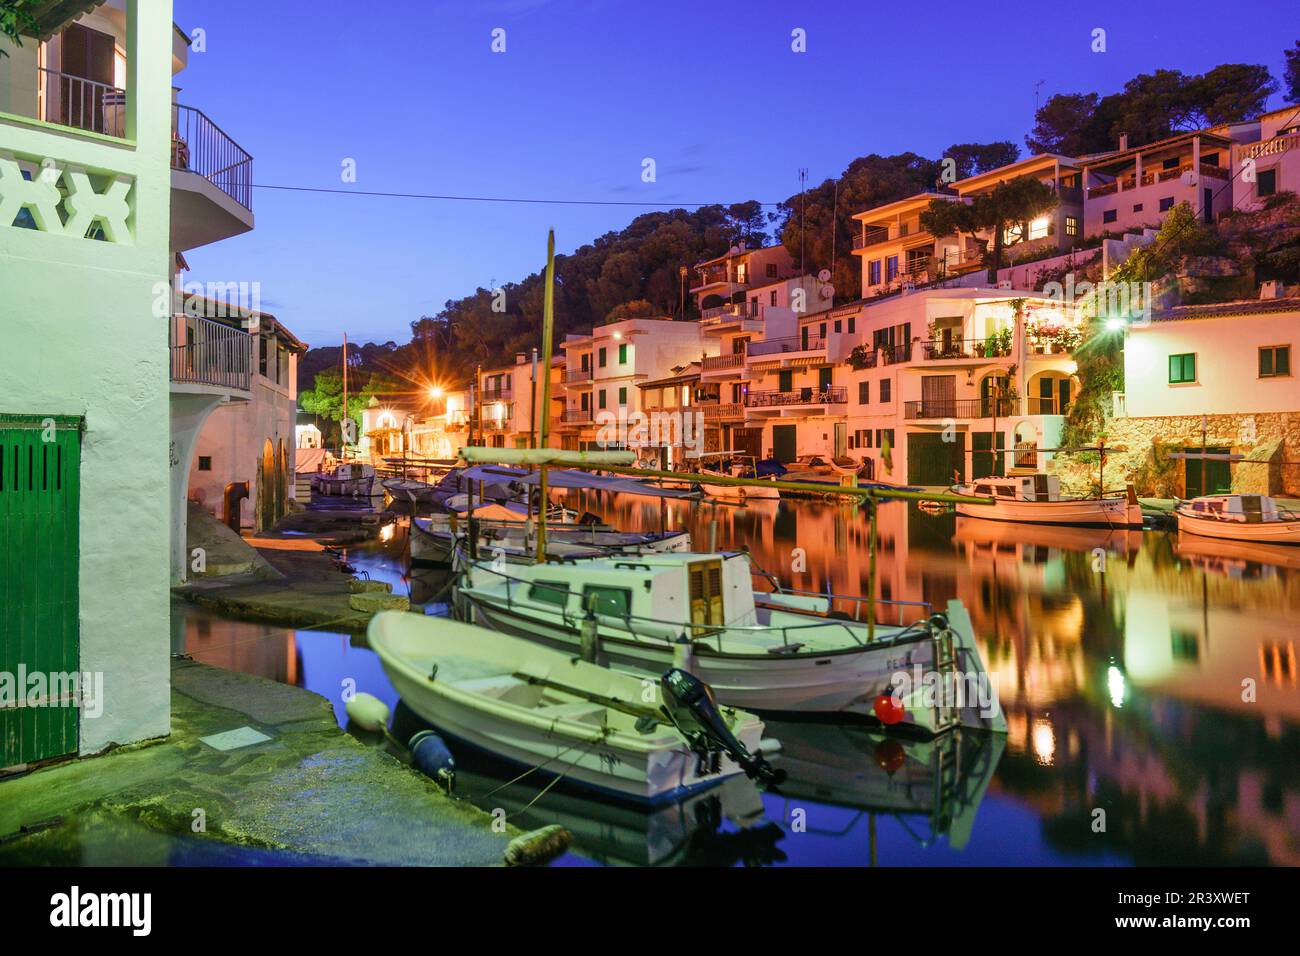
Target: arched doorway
{"points": [[1026, 446], [265, 487], [1050, 393], [995, 384]]}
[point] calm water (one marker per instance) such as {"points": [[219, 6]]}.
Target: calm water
{"points": [[1144, 675]]}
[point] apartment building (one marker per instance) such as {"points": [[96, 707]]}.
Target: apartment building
{"points": [[508, 396], [1135, 187], [252, 444], [729, 278], [896, 252], [602, 370], [1266, 158], [86, 239], [1220, 377], [938, 379]]}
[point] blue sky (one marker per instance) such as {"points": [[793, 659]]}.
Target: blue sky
{"points": [[585, 91]]}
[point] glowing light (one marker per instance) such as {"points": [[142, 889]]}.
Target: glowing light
{"points": [[386, 532], [1044, 742], [1115, 685], [435, 393], [1115, 324], [618, 335]]}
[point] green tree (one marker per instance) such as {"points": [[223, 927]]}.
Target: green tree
{"points": [[15, 20], [973, 158], [1006, 204], [325, 400], [1291, 73]]}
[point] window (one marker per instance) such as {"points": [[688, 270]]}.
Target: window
{"points": [[603, 398], [1137, 207], [1171, 163], [883, 435], [1274, 361], [864, 438], [586, 401], [1266, 182], [549, 592], [852, 323], [622, 355], [1040, 228], [785, 381], [1167, 204], [586, 361], [1182, 368], [205, 461], [838, 326], [873, 272], [884, 390], [1210, 159], [864, 393], [891, 268], [261, 356], [1071, 225], [622, 395], [603, 360], [1110, 215], [611, 602], [771, 271], [771, 299]]}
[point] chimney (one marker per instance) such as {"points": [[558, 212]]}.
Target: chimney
{"points": [[1123, 142], [520, 358]]}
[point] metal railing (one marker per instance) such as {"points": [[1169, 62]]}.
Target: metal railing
{"points": [[80, 103], [722, 411], [733, 310], [713, 363], [494, 393], [872, 237], [206, 352], [834, 395], [793, 343], [576, 416], [201, 146], [1047, 406], [572, 376], [937, 350], [958, 408]]}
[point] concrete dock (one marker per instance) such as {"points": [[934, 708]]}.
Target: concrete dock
{"points": [[310, 790]]}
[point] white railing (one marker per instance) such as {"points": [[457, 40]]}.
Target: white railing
{"points": [[206, 352]]}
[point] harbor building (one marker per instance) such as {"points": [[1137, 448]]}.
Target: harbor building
{"points": [[96, 194]]}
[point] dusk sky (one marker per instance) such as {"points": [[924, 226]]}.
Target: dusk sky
{"points": [[585, 91]]}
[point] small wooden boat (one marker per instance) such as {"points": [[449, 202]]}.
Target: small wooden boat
{"points": [[405, 495], [1036, 499], [349, 480], [610, 731], [737, 466], [768, 650], [1253, 518]]}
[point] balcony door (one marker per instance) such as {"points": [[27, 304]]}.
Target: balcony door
{"points": [[85, 76], [938, 396]]}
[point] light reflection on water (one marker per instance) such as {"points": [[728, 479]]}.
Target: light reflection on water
{"points": [[1145, 675]]}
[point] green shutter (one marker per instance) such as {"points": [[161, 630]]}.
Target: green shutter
{"points": [[40, 466], [622, 355]]}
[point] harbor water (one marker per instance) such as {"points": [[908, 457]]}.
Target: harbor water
{"points": [[1149, 682]]}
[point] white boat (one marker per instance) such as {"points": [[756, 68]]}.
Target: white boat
{"points": [[434, 540], [607, 730], [742, 466], [1254, 518], [1036, 499], [349, 480], [774, 651]]}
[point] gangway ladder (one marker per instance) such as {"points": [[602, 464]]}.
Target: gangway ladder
{"points": [[947, 709]]}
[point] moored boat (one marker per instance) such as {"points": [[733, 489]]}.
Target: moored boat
{"points": [[610, 731], [1036, 499], [435, 540], [1253, 518], [349, 480], [773, 651]]}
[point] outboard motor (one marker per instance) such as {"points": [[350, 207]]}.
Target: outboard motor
{"points": [[689, 704]]}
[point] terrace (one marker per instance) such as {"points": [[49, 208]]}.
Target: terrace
{"points": [[207, 354], [832, 395]]}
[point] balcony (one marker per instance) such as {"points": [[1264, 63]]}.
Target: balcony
{"points": [[792, 343], [206, 354], [832, 395], [1270, 147], [722, 363], [577, 376], [870, 237], [494, 422], [730, 411], [576, 416], [212, 182], [497, 393], [968, 349], [958, 408], [1046, 406]]}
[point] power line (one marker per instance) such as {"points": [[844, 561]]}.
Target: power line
{"points": [[498, 199]]}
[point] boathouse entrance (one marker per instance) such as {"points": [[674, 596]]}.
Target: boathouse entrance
{"points": [[933, 461], [40, 648]]}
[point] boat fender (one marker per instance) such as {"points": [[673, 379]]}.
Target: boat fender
{"points": [[430, 754], [538, 846], [368, 712]]}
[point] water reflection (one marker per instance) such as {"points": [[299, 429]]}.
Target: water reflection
{"points": [[1146, 675]]}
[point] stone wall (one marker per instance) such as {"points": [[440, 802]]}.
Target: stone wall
{"points": [[1272, 437]]}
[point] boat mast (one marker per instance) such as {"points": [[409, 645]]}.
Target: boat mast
{"points": [[548, 321], [343, 436]]}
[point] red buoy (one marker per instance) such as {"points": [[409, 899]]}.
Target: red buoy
{"points": [[888, 708]]}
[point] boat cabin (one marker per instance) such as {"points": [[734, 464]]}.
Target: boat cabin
{"points": [[1036, 487], [1250, 509], [354, 470], [674, 590]]}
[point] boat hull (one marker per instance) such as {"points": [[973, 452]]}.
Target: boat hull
{"points": [[1259, 532], [1094, 513]]}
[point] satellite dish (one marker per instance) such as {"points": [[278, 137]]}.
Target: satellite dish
{"points": [[824, 275], [1190, 177], [828, 291]]}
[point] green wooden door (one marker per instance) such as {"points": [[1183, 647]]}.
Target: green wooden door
{"points": [[1217, 478], [933, 461], [783, 443], [40, 466], [983, 461]]}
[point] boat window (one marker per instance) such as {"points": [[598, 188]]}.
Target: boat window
{"points": [[1006, 491], [549, 592], [610, 602], [983, 490]]}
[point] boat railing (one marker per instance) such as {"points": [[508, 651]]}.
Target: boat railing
{"points": [[698, 630]]}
